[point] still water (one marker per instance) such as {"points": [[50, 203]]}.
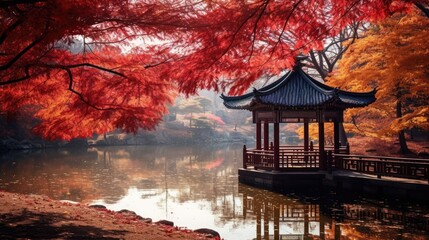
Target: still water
{"points": [[197, 187]]}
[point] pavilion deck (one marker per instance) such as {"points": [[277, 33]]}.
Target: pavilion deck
{"points": [[296, 159]]}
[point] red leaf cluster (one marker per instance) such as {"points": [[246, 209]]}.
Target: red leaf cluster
{"points": [[93, 66]]}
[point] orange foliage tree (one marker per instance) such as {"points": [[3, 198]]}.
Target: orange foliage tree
{"points": [[134, 55], [394, 56]]}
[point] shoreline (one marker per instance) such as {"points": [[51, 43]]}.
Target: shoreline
{"points": [[39, 217]]}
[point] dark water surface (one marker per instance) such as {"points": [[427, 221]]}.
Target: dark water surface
{"points": [[197, 187]]}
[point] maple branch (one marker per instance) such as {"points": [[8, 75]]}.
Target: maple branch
{"points": [[10, 29], [93, 66], [9, 3], [333, 25], [25, 50], [255, 26], [20, 79], [80, 95], [295, 6], [235, 35]]}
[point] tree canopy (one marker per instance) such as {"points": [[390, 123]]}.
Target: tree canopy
{"points": [[93, 66], [393, 56]]}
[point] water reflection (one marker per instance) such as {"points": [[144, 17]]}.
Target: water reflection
{"points": [[279, 217], [197, 186], [299, 217]]}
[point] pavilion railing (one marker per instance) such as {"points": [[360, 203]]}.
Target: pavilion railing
{"points": [[263, 159], [290, 157], [410, 168], [298, 158]]}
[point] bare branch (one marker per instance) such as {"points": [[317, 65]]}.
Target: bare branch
{"points": [[80, 95], [93, 66], [25, 50], [295, 6], [16, 80], [255, 26]]}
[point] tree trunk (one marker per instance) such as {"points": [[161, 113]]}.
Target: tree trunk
{"points": [[401, 134], [423, 8]]}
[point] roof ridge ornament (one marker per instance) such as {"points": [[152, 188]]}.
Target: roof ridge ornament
{"points": [[299, 59]]}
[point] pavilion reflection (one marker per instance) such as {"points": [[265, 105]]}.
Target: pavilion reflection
{"points": [[280, 217]]}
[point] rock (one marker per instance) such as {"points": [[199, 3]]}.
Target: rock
{"points": [[97, 206], [423, 155], [130, 213], [166, 222], [147, 220], [208, 232]]}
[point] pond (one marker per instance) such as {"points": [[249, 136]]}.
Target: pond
{"points": [[197, 187]]}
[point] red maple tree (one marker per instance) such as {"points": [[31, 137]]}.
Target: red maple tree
{"points": [[93, 66]]}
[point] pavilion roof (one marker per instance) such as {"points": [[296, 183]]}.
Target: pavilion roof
{"points": [[297, 90]]}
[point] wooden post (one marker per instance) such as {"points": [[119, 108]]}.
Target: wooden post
{"points": [[322, 164], [306, 140], [276, 222], [337, 231], [312, 157], [306, 222], [258, 136], [266, 136], [276, 146], [266, 221], [258, 209], [244, 157], [329, 157], [321, 227], [336, 137]]}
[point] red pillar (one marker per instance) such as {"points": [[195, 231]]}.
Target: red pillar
{"points": [[336, 137], [258, 135], [321, 120], [306, 135], [306, 140], [266, 136], [276, 146]]}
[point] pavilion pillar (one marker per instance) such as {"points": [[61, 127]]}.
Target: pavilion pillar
{"points": [[276, 146], [336, 137], [258, 136], [343, 136], [321, 120], [306, 139], [266, 136]]}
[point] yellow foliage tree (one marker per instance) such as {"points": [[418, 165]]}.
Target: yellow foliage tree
{"points": [[394, 57]]}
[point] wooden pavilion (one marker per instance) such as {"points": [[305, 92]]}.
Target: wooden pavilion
{"points": [[295, 98]]}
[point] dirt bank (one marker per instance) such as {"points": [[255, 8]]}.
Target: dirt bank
{"points": [[38, 217]]}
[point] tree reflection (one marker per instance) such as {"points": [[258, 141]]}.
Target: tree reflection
{"points": [[284, 217]]}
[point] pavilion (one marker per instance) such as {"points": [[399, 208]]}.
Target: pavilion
{"points": [[296, 98]]}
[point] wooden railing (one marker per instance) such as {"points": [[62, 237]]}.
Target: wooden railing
{"points": [[290, 157], [295, 158], [258, 158], [411, 168]]}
